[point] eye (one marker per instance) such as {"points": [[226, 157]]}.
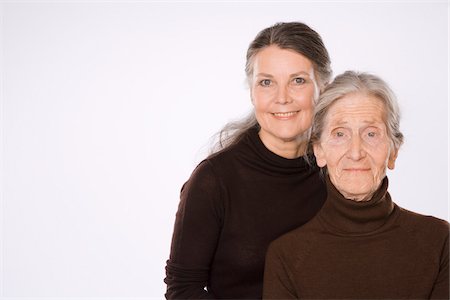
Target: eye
{"points": [[372, 132], [265, 82], [373, 135], [299, 80], [339, 134]]}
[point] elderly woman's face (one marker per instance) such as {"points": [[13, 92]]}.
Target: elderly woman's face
{"points": [[355, 146], [282, 91]]}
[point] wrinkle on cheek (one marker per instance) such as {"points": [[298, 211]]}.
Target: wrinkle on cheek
{"points": [[335, 176]]}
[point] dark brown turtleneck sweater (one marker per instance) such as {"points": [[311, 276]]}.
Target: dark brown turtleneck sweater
{"points": [[232, 207], [361, 250]]}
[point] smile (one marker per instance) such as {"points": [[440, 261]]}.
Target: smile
{"points": [[284, 115]]}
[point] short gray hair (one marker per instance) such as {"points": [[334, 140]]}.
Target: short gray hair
{"points": [[357, 82]]}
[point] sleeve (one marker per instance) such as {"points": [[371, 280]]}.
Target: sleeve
{"points": [[196, 232], [441, 285], [277, 283]]}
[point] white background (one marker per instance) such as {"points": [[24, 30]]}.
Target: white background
{"points": [[107, 107]]}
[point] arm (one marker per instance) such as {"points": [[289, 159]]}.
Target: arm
{"points": [[441, 285], [277, 283], [195, 236]]}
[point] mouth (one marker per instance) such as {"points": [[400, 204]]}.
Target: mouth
{"points": [[357, 169], [285, 115]]}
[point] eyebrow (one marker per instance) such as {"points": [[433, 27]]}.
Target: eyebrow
{"points": [[264, 75], [345, 122], [291, 75]]}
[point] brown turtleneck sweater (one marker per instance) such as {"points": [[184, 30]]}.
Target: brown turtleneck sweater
{"points": [[361, 250], [234, 204]]}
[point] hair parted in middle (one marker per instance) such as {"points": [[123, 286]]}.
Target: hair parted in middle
{"points": [[295, 36]]}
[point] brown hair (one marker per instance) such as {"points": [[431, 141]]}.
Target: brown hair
{"points": [[294, 36]]}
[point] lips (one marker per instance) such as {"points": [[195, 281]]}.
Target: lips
{"points": [[285, 115], [357, 169]]}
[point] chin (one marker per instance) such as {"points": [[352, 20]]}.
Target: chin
{"points": [[286, 136], [290, 135], [354, 190], [361, 194]]}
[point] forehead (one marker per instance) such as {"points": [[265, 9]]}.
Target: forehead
{"points": [[274, 57], [356, 107]]}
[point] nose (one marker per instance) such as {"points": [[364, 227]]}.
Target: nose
{"points": [[283, 96], [356, 151]]}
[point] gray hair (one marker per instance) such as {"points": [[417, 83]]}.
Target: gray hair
{"points": [[356, 82], [295, 36]]}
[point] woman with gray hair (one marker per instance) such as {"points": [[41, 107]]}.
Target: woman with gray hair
{"points": [[258, 184], [361, 245]]}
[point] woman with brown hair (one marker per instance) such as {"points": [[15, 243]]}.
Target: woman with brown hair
{"points": [[260, 182]]}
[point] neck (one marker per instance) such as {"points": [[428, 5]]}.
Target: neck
{"points": [[352, 217], [292, 148], [357, 198]]}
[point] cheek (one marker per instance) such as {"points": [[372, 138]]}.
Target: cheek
{"points": [[334, 153], [380, 158], [336, 162], [381, 166], [261, 99], [333, 163], [304, 97]]}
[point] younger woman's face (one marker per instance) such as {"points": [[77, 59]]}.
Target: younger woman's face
{"points": [[282, 90]]}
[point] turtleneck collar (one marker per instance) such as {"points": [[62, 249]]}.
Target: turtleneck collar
{"points": [[268, 159], [346, 216]]}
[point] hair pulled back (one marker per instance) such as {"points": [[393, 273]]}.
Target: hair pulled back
{"points": [[295, 36]]}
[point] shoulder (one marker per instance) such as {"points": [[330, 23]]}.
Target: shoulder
{"points": [[425, 221], [296, 243], [224, 155], [206, 177], [218, 160], [224, 162], [231, 151], [214, 172], [201, 194], [426, 226]]}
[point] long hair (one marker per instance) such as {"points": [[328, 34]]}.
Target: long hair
{"points": [[295, 36]]}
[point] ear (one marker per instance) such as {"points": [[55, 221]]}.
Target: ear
{"points": [[320, 155], [392, 158]]}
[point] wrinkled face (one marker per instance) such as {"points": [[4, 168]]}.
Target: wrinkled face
{"points": [[355, 146], [282, 90]]}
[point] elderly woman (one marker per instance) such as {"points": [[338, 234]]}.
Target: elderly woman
{"points": [[361, 245]]}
